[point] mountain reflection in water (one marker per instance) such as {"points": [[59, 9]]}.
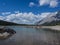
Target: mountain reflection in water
{"points": [[32, 36]]}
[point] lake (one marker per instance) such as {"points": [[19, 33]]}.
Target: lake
{"points": [[32, 36]]}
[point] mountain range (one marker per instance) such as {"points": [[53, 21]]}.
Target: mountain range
{"points": [[50, 20], [53, 19], [6, 23]]}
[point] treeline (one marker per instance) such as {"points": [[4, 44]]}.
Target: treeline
{"points": [[5, 23]]}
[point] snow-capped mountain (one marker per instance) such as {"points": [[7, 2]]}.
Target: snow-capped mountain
{"points": [[51, 19]]}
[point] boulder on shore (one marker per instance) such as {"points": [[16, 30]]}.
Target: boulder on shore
{"points": [[5, 33]]}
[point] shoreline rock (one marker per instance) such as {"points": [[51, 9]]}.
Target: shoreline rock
{"points": [[5, 33]]}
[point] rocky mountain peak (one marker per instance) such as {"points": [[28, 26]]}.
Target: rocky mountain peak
{"points": [[54, 17]]}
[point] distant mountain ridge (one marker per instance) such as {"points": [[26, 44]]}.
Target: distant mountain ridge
{"points": [[5, 23], [50, 20]]}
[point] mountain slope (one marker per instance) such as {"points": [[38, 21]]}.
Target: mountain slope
{"points": [[53, 19], [5, 23]]}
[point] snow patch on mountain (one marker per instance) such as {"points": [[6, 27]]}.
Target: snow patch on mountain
{"points": [[49, 18]]}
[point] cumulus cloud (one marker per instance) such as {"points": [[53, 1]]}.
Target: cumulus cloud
{"points": [[44, 2], [24, 18], [31, 4], [51, 3]]}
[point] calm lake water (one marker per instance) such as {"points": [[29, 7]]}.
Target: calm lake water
{"points": [[32, 36]]}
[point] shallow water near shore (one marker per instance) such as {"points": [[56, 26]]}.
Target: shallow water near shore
{"points": [[32, 36]]}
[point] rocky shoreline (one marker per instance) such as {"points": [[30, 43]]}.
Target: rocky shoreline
{"points": [[5, 33]]}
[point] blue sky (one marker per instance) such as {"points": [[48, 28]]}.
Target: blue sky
{"points": [[37, 8]]}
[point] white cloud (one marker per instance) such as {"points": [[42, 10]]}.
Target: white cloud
{"points": [[51, 3], [43, 15], [31, 4], [44, 2], [6, 13], [24, 18]]}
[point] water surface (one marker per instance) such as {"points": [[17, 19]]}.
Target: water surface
{"points": [[32, 36]]}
